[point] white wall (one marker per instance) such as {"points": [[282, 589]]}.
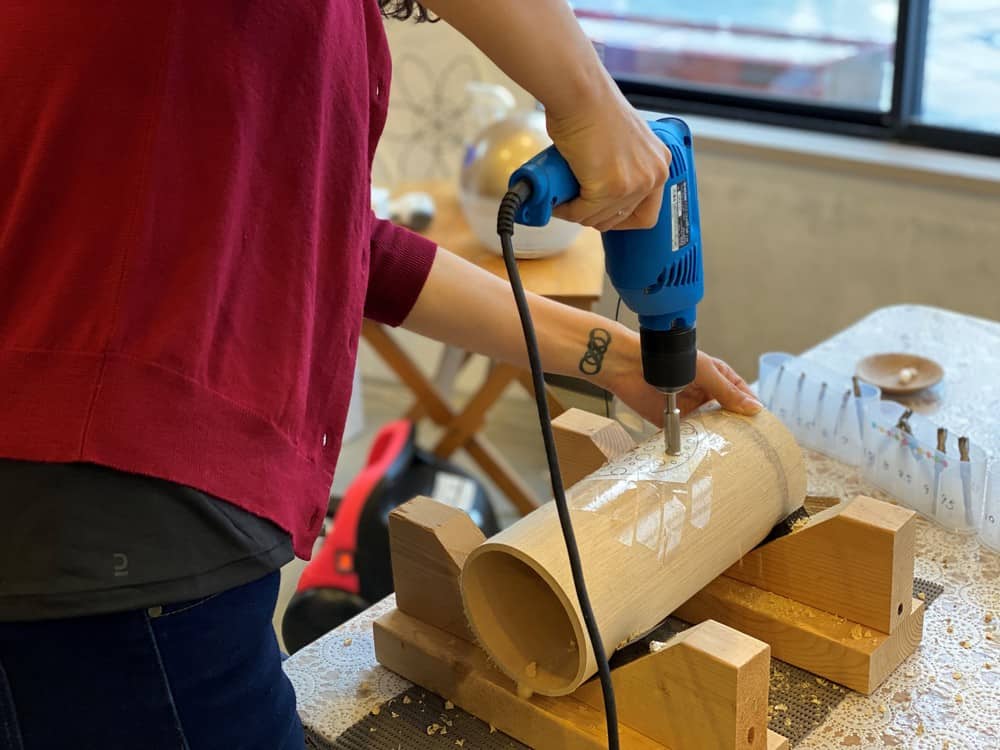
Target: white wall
{"points": [[795, 250], [796, 253]]}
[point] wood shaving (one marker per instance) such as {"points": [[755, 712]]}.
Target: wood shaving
{"points": [[376, 711], [448, 705], [781, 707], [920, 729], [394, 714], [524, 691], [949, 630], [963, 644], [348, 642], [988, 618], [493, 729], [460, 743], [799, 524], [788, 722], [531, 669], [987, 665], [881, 709], [407, 700], [433, 729], [957, 675], [857, 633], [371, 729], [989, 636], [922, 596], [365, 688], [958, 699]]}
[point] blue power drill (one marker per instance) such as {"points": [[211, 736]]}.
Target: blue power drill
{"points": [[657, 271]]}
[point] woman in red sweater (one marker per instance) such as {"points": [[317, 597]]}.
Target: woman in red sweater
{"points": [[186, 255]]}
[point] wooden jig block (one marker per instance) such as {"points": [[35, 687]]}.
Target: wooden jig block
{"points": [[824, 644], [712, 676], [706, 690], [460, 671], [854, 560], [585, 442], [429, 543]]}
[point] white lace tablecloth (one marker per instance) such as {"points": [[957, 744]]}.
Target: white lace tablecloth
{"points": [[946, 696]]}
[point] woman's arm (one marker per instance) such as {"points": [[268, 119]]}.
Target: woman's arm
{"points": [[466, 306], [620, 165]]}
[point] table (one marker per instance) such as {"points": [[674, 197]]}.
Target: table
{"points": [[943, 696], [574, 277]]}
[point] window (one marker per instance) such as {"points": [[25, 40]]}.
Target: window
{"points": [[962, 67], [924, 71]]}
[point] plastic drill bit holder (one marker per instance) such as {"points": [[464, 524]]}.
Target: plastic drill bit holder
{"points": [[903, 459], [989, 534], [895, 450], [817, 404]]}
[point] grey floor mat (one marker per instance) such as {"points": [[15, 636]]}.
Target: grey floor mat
{"points": [[419, 720]]}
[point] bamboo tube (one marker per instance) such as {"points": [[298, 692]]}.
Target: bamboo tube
{"points": [[652, 531]]}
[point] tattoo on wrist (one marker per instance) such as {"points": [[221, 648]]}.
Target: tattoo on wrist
{"points": [[597, 347]]}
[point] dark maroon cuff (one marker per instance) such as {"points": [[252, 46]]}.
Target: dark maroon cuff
{"points": [[400, 263]]}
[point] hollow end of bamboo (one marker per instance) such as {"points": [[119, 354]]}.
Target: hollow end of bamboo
{"points": [[533, 631]]}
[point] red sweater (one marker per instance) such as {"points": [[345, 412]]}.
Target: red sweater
{"points": [[186, 244]]}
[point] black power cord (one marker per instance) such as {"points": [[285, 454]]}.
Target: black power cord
{"points": [[505, 228]]}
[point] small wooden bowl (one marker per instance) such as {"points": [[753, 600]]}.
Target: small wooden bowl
{"points": [[884, 371]]}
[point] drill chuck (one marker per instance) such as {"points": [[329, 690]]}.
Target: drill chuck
{"points": [[669, 358]]}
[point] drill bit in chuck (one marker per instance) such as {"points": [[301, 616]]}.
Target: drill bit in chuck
{"points": [[672, 425]]}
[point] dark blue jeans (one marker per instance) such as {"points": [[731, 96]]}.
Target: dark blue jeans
{"points": [[201, 675]]}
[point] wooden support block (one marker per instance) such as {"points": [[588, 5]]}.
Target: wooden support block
{"points": [[705, 689], [460, 671], [429, 543], [845, 652], [585, 442], [854, 560]]}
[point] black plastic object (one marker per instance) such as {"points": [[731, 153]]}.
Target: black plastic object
{"points": [[416, 474], [669, 358], [354, 567], [311, 612]]}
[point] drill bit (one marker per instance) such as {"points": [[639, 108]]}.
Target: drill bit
{"points": [[942, 446], [965, 471], [856, 388], [672, 425]]}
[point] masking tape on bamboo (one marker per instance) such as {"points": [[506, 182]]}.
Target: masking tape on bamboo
{"points": [[648, 497]]}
